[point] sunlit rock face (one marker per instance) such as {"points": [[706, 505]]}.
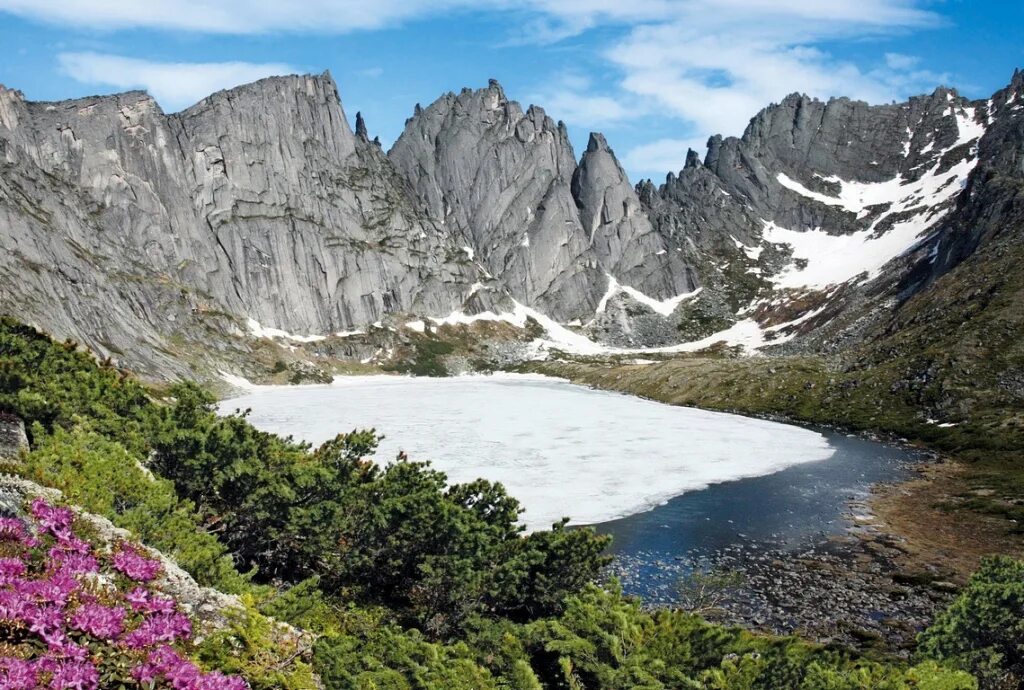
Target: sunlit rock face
{"points": [[259, 202], [259, 210]]}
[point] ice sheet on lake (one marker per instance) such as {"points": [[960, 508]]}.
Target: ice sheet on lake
{"points": [[562, 450]]}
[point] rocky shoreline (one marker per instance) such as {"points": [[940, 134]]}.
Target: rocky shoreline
{"points": [[853, 589]]}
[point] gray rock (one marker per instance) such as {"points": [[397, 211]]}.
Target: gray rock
{"points": [[123, 224], [13, 439], [500, 178]]}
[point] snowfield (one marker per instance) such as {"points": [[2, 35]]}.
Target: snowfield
{"points": [[561, 449]]}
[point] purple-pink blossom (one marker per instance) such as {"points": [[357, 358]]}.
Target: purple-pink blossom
{"points": [[142, 601], [40, 591], [54, 590], [17, 674], [136, 566], [12, 529], [67, 650], [182, 674], [10, 570], [74, 563], [75, 675], [56, 521], [102, 622], [163, 627]]}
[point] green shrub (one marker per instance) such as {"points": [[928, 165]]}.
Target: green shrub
{"points": [[982, 631]]}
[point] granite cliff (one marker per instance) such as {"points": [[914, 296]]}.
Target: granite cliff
{"points": [[260, 212]]}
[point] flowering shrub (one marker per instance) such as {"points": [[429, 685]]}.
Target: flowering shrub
{"points": [[74, 619]]}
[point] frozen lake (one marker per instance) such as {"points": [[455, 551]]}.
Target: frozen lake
{"points": [[561, 449]]}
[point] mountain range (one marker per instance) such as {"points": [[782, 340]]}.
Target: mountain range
{"points": [[260, 212]]}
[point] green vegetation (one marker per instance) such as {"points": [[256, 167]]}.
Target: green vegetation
{"points": [[399, 580], [983, 630], [425, 358]]}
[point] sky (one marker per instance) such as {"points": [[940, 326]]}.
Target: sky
{"points": [[655, 76]]}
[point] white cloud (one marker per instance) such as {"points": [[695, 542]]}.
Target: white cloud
{"points": [[899, 61], [175, 85], [572, 97], [715, 68], [709, 64], [659, 157], [559, 18]]}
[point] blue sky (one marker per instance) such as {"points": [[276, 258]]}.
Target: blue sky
{"points": [[656, 76]]}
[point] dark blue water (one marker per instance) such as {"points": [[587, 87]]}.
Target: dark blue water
{"points": [[790, 510]]}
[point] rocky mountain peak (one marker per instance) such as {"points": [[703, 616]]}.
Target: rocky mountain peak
{"points": [[597, 142]]}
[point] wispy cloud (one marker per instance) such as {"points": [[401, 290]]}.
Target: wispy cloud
{"points": [[550, 20], [175, 85], [572, 97], [707, 64], [657, 158], [714, 69]]}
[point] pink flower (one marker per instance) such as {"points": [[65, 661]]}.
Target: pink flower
{"points": [[182, 674], [138, 598], [66, 649], [162, 627], [10, 570], [12, 529], [72, 544], [17, 674], [75, 675], [13, 605], [47, 622], [128, 561], [101, 622], [56, 521], [218, 681], [54, 590], [142, 601], [73, 563]]}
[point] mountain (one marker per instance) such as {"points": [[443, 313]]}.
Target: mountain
{"points": [[156, 238], [126, 226]]}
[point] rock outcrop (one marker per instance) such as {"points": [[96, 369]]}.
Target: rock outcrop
{"points": [[123, 223], [161, 240]]}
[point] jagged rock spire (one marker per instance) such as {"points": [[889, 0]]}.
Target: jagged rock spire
{"points": [[361, 127]]}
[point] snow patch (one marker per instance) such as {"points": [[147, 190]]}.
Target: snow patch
{"points": [[469, 252], [266, 332], [834, 259], [418, 326], [664, 307]]}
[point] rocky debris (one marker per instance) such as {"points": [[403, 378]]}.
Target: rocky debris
{"points": [[856, 579]]}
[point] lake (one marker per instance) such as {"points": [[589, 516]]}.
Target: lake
{"points": [[671, 484]]}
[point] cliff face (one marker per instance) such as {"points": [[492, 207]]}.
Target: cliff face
{"points": [[551, 230], [259, 202], [142, 234], [499, 177]]}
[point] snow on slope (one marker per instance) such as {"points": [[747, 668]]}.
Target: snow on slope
{"points": [[833, 259], [663, 307]]}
